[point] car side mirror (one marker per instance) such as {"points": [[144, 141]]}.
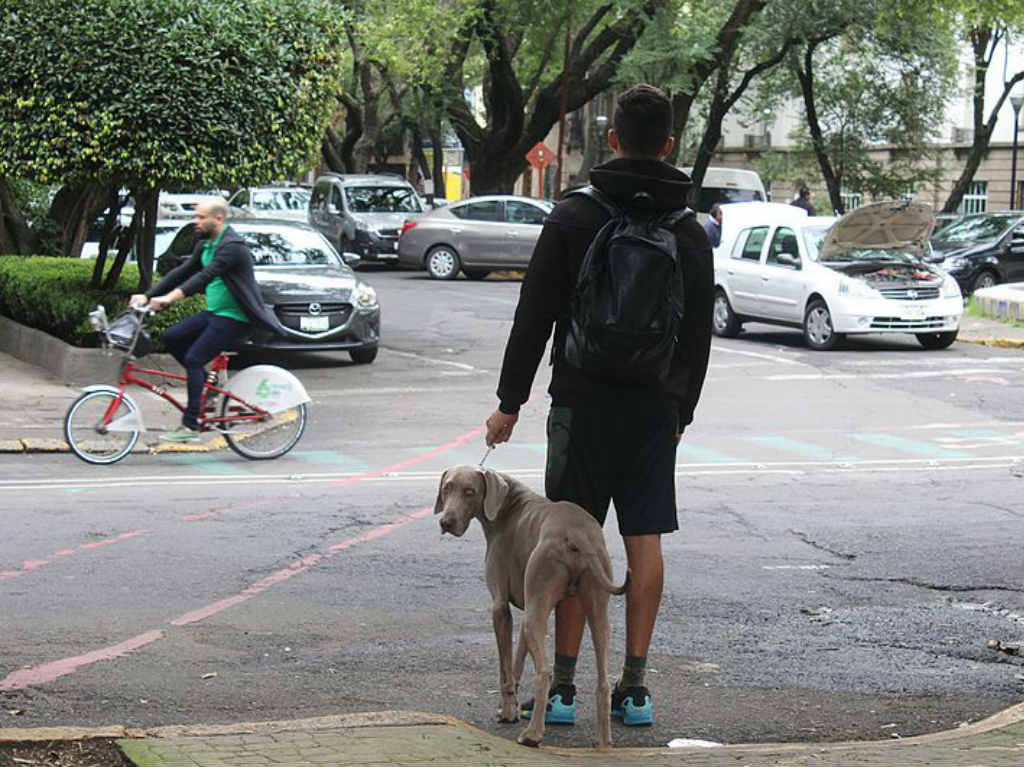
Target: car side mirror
{"points": [[788, 259], [350, 258]]}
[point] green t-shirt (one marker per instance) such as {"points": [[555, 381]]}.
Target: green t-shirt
{"points": [[219, 298]]}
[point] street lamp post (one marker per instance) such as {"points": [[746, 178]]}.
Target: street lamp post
{"points": [[1015, 101]]}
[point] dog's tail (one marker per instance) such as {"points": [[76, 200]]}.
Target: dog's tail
{"points": [[597, 571]]}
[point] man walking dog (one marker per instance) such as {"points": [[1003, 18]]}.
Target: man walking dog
{"points": [[618, 411]]}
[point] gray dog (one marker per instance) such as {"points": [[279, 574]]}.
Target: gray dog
{"points": [[538, 552]]}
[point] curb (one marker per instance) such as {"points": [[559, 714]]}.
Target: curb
{"points": [[1002, 343], [37, 445], [1010, 716]]}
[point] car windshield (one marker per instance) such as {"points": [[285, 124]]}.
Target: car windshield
{"points": [[974, 229], [280, 199], [382, 199], [814, 236], [280, 246], [709, 195]]}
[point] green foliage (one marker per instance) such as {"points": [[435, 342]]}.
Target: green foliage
{"points": [[53, 295], [165, 93], [33, 200]]}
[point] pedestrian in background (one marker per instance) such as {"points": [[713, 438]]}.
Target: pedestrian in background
{"points": [[607, 441], [713, 225], [803, 200]]}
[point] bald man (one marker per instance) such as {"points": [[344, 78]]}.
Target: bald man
{"points": [[221, 265]]}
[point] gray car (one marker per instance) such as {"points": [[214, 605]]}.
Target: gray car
{"points": [[363, 214], [289, 203], [477, 236]]}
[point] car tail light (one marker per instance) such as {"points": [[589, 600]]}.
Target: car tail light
{"points": [[406, 227]]}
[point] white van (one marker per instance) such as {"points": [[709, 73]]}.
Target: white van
{"points": [[724, 185]]}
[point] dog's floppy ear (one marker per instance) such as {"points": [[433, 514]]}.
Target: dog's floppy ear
{"points": [[439, 503], [495, 491]]}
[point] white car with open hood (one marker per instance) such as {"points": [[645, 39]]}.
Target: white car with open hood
{"points": [[862, 273]]}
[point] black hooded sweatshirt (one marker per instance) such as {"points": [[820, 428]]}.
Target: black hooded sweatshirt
{"points": [[547, 290]]}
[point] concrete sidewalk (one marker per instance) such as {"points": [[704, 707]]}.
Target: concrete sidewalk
{"points": [[411, 738]]}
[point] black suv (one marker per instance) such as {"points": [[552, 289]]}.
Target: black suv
{"points": [[982, 249]]}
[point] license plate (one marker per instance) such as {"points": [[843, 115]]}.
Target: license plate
{"points": [[314, 323], [915, 312]]}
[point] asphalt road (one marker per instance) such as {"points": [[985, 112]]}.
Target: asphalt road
{"points": [[851, 528]]}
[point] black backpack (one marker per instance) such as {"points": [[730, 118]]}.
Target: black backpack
{"points": [[628, 303]]}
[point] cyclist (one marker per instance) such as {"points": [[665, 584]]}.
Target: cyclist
{"points": [[222, 265]]}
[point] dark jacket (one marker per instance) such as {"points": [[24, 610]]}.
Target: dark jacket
{"points": [[551, 279], [232, 262]]}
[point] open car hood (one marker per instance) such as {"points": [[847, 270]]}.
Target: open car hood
{"points": [[891, 225]]}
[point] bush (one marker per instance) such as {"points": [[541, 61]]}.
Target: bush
{"points": [[53, 295]]}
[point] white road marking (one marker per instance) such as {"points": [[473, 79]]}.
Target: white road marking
{"points": [[878, 376], [431, 475], [757, 355], [433, 361]]}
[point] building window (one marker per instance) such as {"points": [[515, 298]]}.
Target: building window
{"points": [[851, 200], [976, 198]]}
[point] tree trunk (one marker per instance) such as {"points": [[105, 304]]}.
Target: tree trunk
{"points": [[15, 236], [440, 184], [111, 229], [147, 203], [331, 151], [125, 243], [75, 208], [833, 180]]}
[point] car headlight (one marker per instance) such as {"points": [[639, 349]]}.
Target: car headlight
{"points": [[950, 288], [954, 263], [857, 289], [366, 297]]}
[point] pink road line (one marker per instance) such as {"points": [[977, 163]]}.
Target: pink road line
{"points": [[411, 461], [48, 672], [30, 565], [295, 568]]}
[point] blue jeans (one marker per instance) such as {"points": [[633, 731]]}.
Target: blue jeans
{"points": [[194, 342]]}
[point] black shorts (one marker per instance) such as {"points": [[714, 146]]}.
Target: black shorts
{"points": [[616, 451]]}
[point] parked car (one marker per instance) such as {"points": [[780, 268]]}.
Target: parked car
{"points": [[313, 292], [942, 220], [476, 236], [175, 205], [982, 249], [363, 214], [727, 185], [290, 203], [862, 273], [165, 230]]}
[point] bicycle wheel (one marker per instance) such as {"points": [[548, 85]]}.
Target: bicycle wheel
{"points": [[263, 439], [87, 439]]}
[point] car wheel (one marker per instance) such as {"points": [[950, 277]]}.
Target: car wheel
{"points": [[937, 340], [443, 263], [725, 322], [476, 274], [363, 356], [818, 330], [986, 279]]}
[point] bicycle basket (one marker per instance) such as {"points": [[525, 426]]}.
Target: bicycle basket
{"points": [[124, 333]]}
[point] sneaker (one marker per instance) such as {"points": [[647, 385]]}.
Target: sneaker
{"points": [[633, 706], [561, 707], [181, 434]]}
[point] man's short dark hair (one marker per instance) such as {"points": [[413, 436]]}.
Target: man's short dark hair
{"points": [[643, 120]]}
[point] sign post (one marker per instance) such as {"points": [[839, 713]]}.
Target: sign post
{"points": [[540, 157]]}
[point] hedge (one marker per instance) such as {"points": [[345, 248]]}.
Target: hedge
{"points": [[53, 295]]}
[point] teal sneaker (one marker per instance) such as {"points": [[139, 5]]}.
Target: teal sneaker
{"points": [[181, 434], [561, 707], [633, 706]]}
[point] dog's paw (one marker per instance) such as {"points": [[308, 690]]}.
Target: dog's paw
{"points": [[526, 738]]}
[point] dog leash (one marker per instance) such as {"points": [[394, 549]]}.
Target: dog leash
{"points": [[490, 449]]}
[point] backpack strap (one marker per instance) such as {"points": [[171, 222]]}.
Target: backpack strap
{"points": [[592, 192]]}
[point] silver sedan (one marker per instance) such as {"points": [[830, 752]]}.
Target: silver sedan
{"points": [[477, 236]]}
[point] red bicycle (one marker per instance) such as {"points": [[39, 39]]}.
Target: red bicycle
{"points": [[260, 411]]}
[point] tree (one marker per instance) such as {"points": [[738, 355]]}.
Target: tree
{"points": [[867, 78], [146, 95], [984, 25], [514, 49]]}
